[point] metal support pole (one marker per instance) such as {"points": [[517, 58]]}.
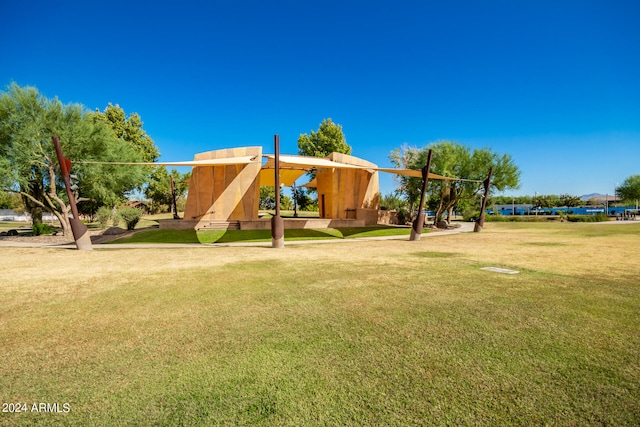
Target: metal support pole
{"points": [[295, 201], [173, 199], [483, 205], [416, 229], [277, 223], [79, 230]]}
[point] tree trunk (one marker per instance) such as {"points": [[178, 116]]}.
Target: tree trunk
{"points": [[36, 214], [450, 215], [63, 213]]}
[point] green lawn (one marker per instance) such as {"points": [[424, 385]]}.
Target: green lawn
{"points": [[226, 236], [358, 333], [14, 225]]}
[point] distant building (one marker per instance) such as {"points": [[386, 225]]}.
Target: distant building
{"points": [[511, 209], [11, 215], [139, 205]]}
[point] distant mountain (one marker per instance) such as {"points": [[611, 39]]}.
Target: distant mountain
{"points": [[598, 196], [592, 196]]}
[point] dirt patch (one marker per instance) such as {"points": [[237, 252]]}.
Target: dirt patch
{"points": [[43, 239]]}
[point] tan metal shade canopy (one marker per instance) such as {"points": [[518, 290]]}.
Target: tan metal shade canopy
{"points": [[225, 184], [242, 160], [291, 167], [416, 173]]}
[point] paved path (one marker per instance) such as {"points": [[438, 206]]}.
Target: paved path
{"points": [[465, 227]]}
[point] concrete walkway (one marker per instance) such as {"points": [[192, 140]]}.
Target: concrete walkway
{"points": [[465, 227]]}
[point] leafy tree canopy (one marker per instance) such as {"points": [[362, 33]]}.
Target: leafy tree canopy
{"points": [[28, 163], [268, 199], [629, 190], [455, 160], [9, 200], [129, 129], [328, 139], [158, 189]]}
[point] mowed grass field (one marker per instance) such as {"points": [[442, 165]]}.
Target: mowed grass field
{"points": [[351, 333]]}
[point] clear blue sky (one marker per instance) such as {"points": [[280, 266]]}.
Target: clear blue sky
{"points": [[556, 84]]}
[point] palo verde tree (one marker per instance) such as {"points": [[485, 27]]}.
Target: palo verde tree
{"points": [[452, 159], [629, 190], [29, 164]]}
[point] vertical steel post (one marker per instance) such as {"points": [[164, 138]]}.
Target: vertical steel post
{"points": [[173, 199], [483, 205], [277, 223], [416, 229], [79, 230], [295, 200]]}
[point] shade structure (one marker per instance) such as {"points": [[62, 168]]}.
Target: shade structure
{"points": [[416, 173], [240, 160], [308, 163], [225, 184], [311, 184], [293, 167], [287, 176]]}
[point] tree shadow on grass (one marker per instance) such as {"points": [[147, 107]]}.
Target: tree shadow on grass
{"points": [[160, 236], [372, 231], [230, 236]]}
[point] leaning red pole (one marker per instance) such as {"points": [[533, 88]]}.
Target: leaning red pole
{"points": [[79, 230]]}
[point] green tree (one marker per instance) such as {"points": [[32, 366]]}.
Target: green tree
{"points": [[286, 202], [452, 159], [29, 164], [268, 199], [128, 129], [546, 201], [10, 200], [407, 157], [328, 139], [570, 201], [158, 189], [392, 201], [304, 201], [629, 190]]}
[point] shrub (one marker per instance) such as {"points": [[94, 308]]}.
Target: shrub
{"points": [[103, 216], [470, 215], [40, 228], [131, 216], [403, 216], [116, 218], [599, 217]]}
